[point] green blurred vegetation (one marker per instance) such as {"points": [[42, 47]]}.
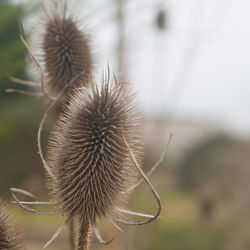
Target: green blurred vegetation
{"points": [[12, 60], [201, 163], [19, 160], [219, 163], [19, 115]]}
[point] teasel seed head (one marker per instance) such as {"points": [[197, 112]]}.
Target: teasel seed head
{"points": [[66, 50], [10, 234], [87, 154]]}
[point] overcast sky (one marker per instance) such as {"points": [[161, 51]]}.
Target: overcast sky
{"points": [[201, 64], [198, 68]]}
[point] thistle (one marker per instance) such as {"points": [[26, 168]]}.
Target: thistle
{"points": [[10, 235], [66, 50], [94, 155], [87, 155], [66, 54]]}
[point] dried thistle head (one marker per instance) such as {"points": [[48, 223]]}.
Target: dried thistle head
{"points": [[94, 153], [65, 55], [66, 50], [10, 235], [87, 154]]}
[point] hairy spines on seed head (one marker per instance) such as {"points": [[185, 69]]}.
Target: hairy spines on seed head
{"points": [[87, 153], [66, 50], [10, 235]]}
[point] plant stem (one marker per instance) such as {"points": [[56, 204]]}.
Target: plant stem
{"points": [[83, 239]]}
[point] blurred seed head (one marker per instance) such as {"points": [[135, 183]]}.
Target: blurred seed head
{"points": [[87, 153], [66, 49], [10, 235]]}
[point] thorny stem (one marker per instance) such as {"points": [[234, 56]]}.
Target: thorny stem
{"points": [[83, 236]]}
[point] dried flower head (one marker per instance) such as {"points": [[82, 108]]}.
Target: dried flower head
{"points": [[66, 50], [10, 236], [87, 154], [94, 154], [65, 57]]}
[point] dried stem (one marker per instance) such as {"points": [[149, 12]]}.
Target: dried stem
{"points": [[83, 237]]}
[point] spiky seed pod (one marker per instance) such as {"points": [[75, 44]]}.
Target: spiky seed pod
{"points": [[87, 154], [10, 235], [66, 50]]}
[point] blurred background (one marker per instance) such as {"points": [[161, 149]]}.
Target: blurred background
{"points": [[189, 61]]}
